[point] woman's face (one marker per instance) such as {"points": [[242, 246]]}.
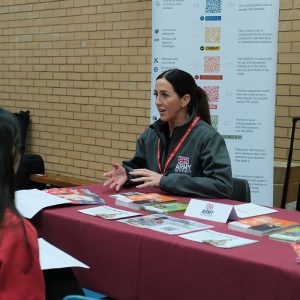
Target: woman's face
{"points": [[171, 107]]}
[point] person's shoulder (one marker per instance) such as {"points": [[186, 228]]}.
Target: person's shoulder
{"points": [[13, 227], [205, 128], [205, 132]]}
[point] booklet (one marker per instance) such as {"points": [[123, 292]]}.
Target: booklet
{"points": [[288, 235], [261, 225], [136, 200], [76, 195], [108, 212], [165, 224], [163, 208], [217, 239]]}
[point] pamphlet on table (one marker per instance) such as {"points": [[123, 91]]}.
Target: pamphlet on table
{"points": [[138, 201], [261, 225], [52, 257], [290, 235], [164, 208], [217, 239], [109, 213], [166, 224], [76, 195], [30, 202]]}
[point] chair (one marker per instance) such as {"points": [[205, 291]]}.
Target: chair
{"points": [[89, 295], [240, 190], [77, 297]]}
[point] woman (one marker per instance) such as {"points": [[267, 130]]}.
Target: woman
{"points": [[20, 272], [180, 153]]}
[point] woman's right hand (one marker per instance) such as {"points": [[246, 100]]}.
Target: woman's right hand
{"points": [[117, 177]]}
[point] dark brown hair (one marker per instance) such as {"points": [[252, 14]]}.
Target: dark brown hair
{"points": [[183, 83]]}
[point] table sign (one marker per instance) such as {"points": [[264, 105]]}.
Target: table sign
{"points": [[212, 211], [247, 210]]}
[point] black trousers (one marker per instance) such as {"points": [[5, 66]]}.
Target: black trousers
{"points": [[60, 283]]}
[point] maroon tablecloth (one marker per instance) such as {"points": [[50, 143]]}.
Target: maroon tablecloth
{"points": [[129, 263]]}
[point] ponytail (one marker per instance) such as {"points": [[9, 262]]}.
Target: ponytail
{"points": [[199, 105]]}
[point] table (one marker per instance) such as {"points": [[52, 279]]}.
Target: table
{"points": [[130, 263]]}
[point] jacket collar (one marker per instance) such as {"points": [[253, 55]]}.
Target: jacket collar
{"points": [[162, 127]]}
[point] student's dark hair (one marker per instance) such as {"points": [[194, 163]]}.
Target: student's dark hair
{"points": [[183, 83], [10, 149]]}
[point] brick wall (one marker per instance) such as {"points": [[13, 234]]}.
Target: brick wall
{"points": [[82, 67], [288, 79]]}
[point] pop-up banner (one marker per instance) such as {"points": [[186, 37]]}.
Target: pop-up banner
{"points": [[230, 47]]}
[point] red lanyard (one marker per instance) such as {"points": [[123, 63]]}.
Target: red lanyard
{"points": [[192, 125]]}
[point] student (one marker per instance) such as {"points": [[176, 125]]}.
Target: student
{"points": [[20, 272], [180, 153]]}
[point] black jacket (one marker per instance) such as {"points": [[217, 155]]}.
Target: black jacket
{"points": [[200, 168]]}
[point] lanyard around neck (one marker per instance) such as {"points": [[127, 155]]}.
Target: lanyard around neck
{"points": [[175, 150]]}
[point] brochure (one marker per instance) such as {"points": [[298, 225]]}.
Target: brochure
{"points": [[165, 224], [108, 212], [140, 200], [76, 195], [30, 202], [291, 235], [217, 239], [167, 207], [261, 225]]}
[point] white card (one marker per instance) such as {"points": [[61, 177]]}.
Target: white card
{"points": [[247, 210], [212, 211]]}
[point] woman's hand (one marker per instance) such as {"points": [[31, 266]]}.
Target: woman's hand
{"points": [[147, 177], [117, 176]]}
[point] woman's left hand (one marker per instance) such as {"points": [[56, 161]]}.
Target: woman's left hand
{"points": [[147, 177]]}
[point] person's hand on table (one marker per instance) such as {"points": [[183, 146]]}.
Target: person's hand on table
{"points": [[117, 177], [146, 177]]}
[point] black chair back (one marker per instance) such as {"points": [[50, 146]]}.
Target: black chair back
{"points": [[241, 190]]}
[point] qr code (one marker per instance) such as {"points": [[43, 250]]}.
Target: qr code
{"points": [[213, 34], [212, 92], [213, 6], [211, 64], [213, 96], [214, 121]]}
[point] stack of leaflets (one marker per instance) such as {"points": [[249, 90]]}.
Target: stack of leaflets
{"points": [[137, 200], [290, 235], [76, 195], [163, 208], [296, 248], [109, 213], [261, 225], [165, 224], [217, 239]]}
